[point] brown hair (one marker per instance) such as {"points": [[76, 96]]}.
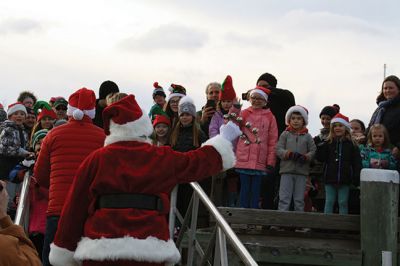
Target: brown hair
{"points": [[386, 142], [347, 134], [195, 134], [391, 78], [155, 138]]}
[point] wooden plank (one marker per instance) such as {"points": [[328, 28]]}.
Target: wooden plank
{"points": [[291, 219]]}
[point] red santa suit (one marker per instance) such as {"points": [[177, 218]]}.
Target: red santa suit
{"points": [[129, 164]]}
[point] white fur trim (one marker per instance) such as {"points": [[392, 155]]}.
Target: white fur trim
{"points": [[379, 175], [341, 121], [263, 94], [15, 108], [225, 149], [150, 249], [90, 113], [298, 109], [174, 95], [138, 130], [61, 256]]}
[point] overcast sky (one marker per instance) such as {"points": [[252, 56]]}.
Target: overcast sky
{"points": [[325, 52]]}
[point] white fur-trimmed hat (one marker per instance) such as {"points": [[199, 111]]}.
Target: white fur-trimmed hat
{"points": [[299, 109], [82, 102], [342, 119], [18, 106]]}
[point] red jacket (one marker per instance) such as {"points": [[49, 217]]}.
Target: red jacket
{"points": [[62, 151]]}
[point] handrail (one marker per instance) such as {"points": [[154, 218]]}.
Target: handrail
{"points": [[236, 244], [23, 204]]}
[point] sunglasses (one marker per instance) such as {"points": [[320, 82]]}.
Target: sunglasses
{"points": [[64, 108]]}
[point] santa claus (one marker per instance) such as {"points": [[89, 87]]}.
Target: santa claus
{"points": [[115, 213]]}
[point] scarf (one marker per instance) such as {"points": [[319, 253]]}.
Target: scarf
{"points": [[302, 131], [380, 111]]}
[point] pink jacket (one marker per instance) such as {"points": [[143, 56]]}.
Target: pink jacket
{"points": [[257, 156]]}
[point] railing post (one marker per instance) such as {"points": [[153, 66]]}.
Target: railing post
{"points": [[172, 212], [23, 200], [379, 211], [220, 248], [193, 228]]}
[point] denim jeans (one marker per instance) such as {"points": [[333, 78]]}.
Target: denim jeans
{"points": [[343, 198], [250, 186], [51, 229]]}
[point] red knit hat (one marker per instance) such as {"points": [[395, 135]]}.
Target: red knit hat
{"points": [[161, 119], [18, 106], [46, 112], [227, 92], [124, 120], [82, 102], [339, 118]]}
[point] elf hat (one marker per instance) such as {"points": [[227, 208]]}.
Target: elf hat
{"points": [[18, 106], [297, 109], [82, 102], [176, 90], [46, 112], [161, 119], [124, 120], [264, 92], [158, 90], [227, 92], [186, 105], [339, 118]]}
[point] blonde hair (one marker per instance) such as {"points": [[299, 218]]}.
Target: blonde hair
{"points": [[386, 141], [347, 133], [115, 97], [195, 133]]}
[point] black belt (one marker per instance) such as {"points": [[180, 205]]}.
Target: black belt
{"points": [[126, 201]]}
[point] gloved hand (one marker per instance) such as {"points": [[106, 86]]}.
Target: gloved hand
{"points": [[230, 131], [296, 156], [302, 158], [28, 163]]}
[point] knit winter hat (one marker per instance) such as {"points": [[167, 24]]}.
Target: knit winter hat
{"points": [[82, 102], [186, 105], [60, 101], [106, 88], [158, 90], [3, 115], [339, 118], [269, 78], [161, 119], [299, 109], [264, 92], [176, 90], [227, 92], [18, 106], [330, 111], [38, 136]]}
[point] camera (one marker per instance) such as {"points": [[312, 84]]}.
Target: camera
{"points": [[245, 96]]}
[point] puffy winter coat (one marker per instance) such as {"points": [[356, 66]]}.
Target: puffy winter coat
{"points": [[371, 158], [62, 151], [257, 156], [216, 122]]}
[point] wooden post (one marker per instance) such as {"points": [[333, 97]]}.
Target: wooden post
{"points": [[379, 203]]}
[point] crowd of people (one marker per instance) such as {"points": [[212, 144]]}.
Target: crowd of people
{"points": [[101, 167]]}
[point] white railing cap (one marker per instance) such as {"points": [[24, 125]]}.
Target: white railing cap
{"points": [[379, 175]]}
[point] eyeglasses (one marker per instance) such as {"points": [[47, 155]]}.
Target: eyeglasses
{"points": [[64, 108], [173, 101], [256, 98]]}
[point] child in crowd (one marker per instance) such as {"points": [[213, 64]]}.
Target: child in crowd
{"points": [[159, 101], [45, 118], [342, 164], [161, 125], [296, 149], [358, 131], [171, 107], [255, 150], [377, 152], [227, 96]]}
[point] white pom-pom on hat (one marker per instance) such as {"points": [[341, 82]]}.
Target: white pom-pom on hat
{"points": [[77, 114]]}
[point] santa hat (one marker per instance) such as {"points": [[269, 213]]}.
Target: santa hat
{"points": [[339, 118], [82, 102], [46, 112], [186, 105], [124, 120], [176, 90], [264, 92], [161, 119], [18, 106], [158, 90], [297, 109], [227, 92]]}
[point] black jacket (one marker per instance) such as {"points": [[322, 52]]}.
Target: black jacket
{"points": [[279, 102], [342, 162], [185, 139]]}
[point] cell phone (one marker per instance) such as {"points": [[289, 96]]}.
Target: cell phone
{"points": [[211, 103]]}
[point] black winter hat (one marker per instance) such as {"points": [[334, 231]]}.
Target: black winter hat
{"points": [[330, 110], [106, 88], [272, 81]]}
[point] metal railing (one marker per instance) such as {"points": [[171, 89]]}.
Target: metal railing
{"points": [[22, 214], [221, 235]]}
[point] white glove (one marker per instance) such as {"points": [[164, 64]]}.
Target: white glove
{"points": [[28, 163], [230, 131]]}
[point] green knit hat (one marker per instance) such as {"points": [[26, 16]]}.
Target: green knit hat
{"points": [[38, 136]]}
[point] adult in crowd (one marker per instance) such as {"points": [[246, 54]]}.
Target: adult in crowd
{"points": [[27, 98], [207, 111], [388, 111], [279, 102], [106, 88], [60, 107], [159, 101], [116, 211], [30, 121], [62, 151], [15, 248]]}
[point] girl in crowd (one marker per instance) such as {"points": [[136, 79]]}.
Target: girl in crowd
{"points": [[342, 164], [171, 107], [161, 125], [377, 152], [27, 98], [358, 131], [255, 150], [45, 119]]}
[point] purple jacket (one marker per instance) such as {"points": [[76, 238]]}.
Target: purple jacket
{"points": [[216, 122]]}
